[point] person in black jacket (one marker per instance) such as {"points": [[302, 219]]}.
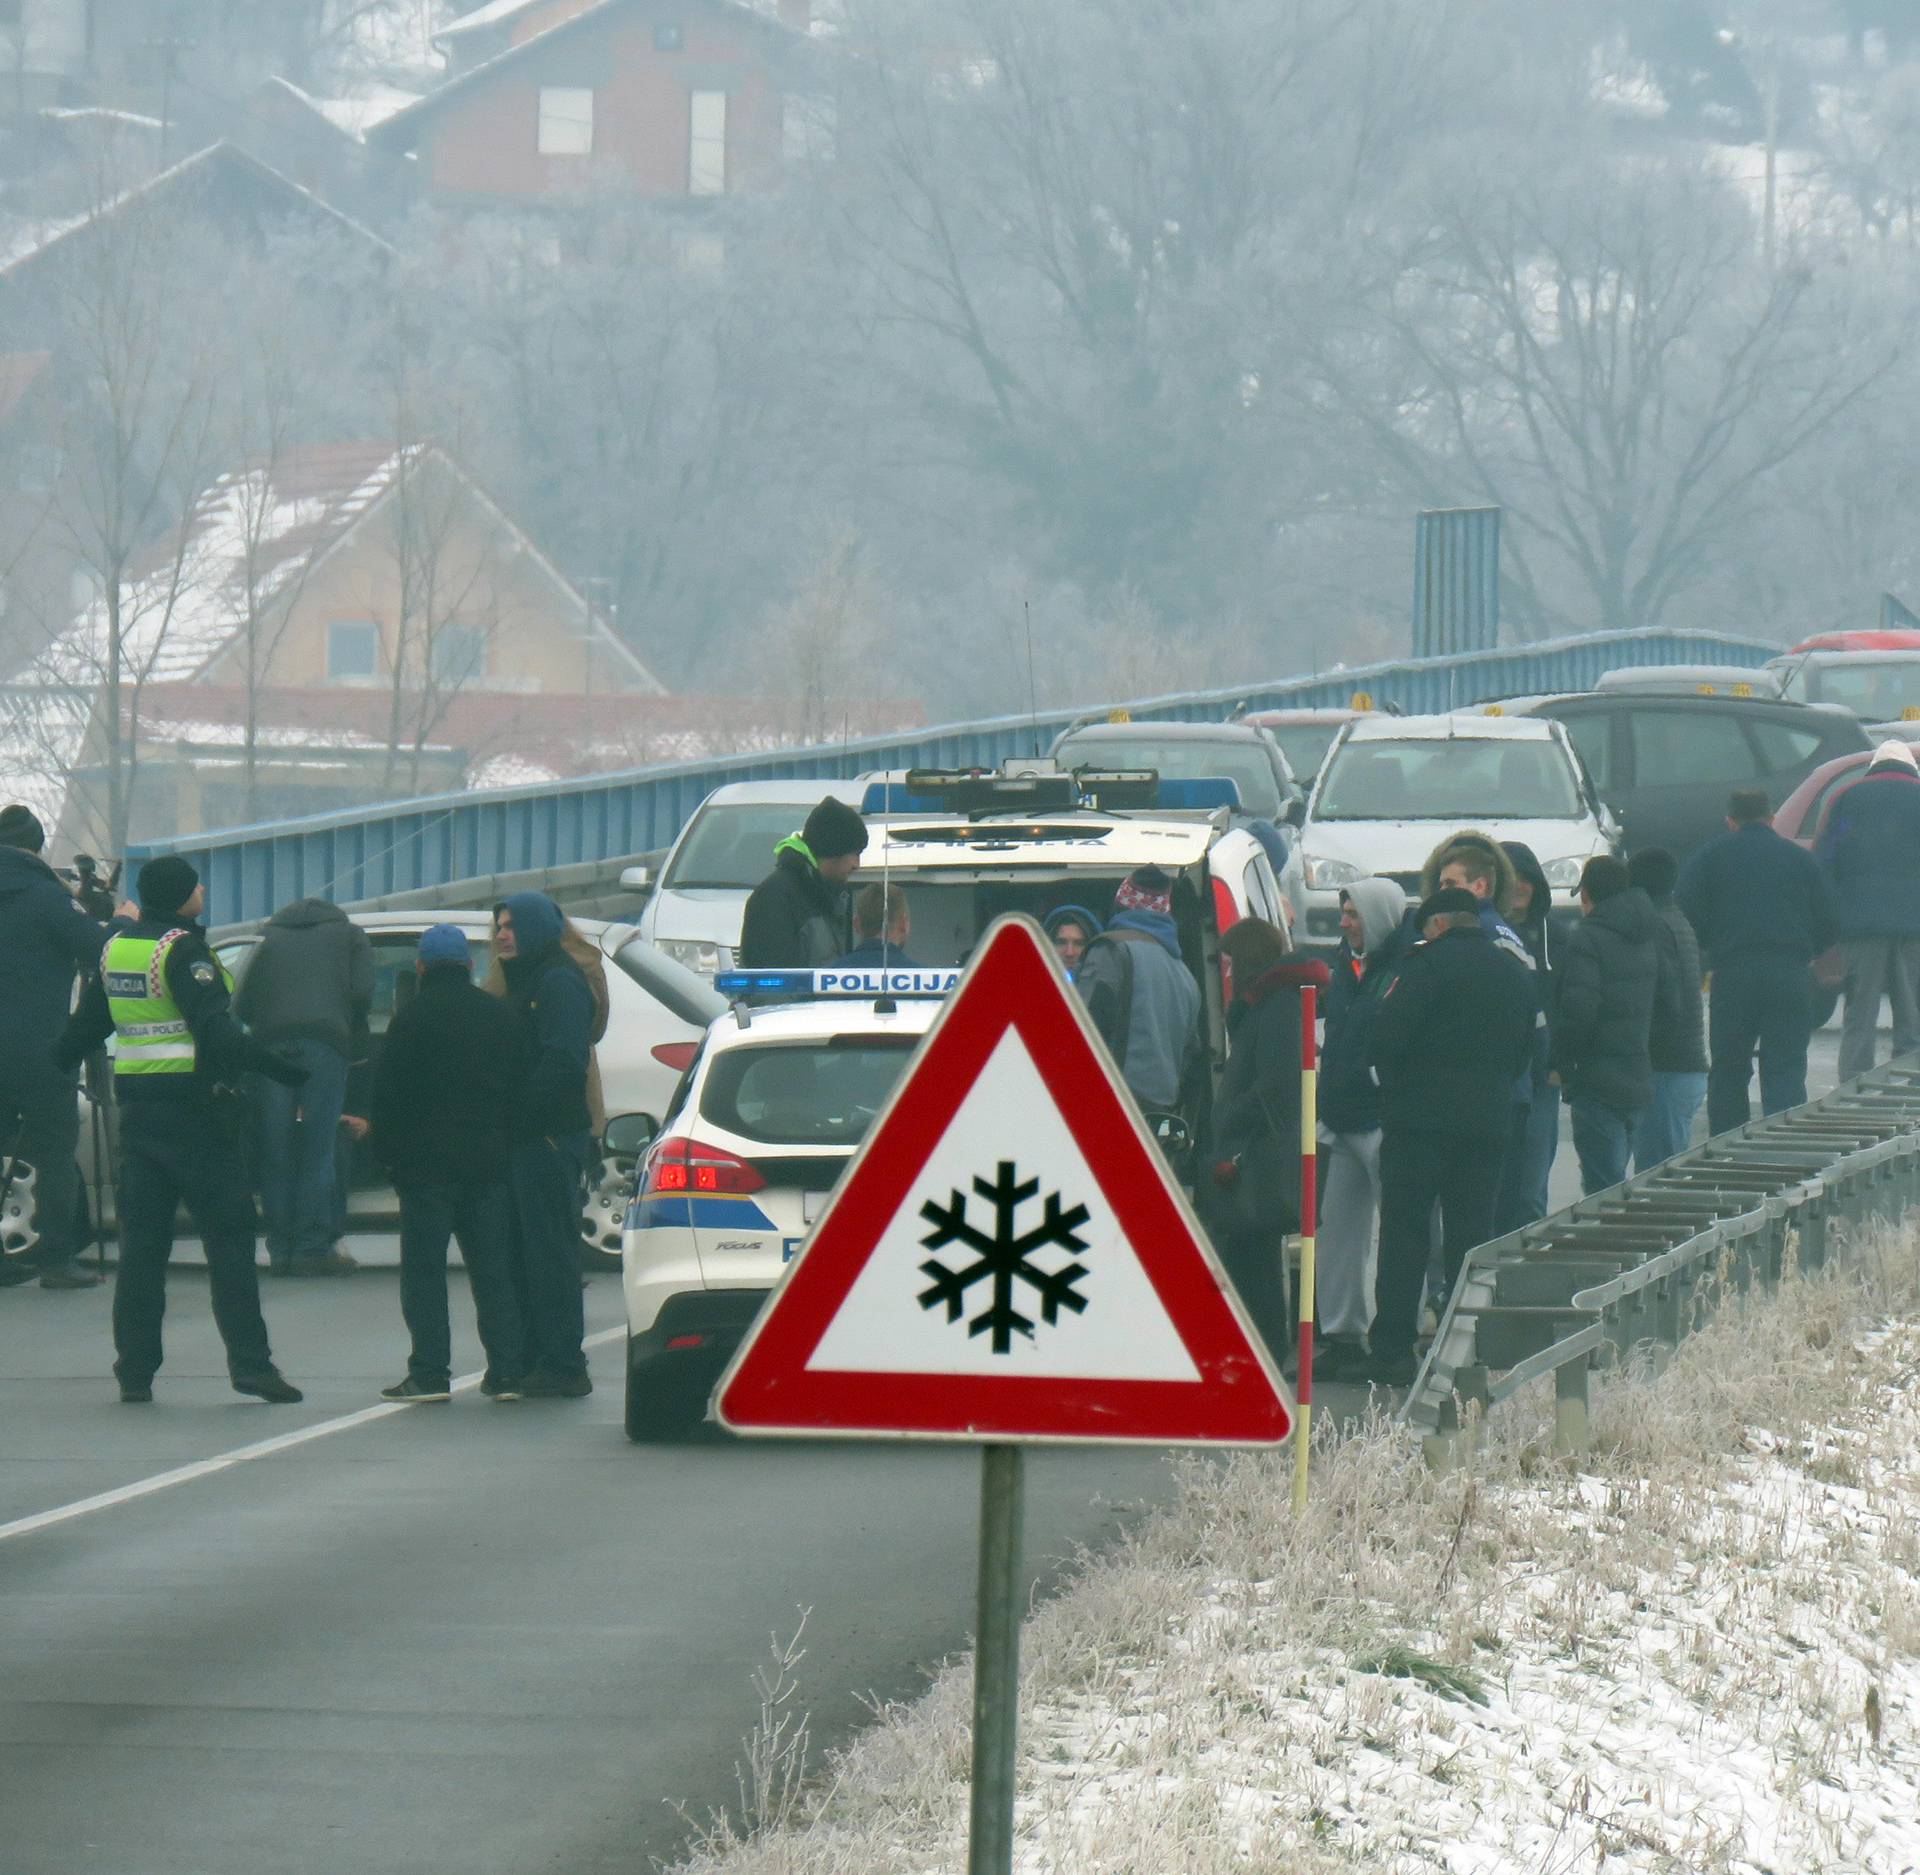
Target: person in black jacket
{"points": [[443, 1088], [45, 938], [1679, 1042], [552, 1129], [1374, 939], [797, 917], [1609, 979], [1255, 1158], [1763, 911], [1453, 1033], [1535, 1139]]}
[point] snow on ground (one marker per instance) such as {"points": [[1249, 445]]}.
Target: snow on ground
{"points": [[1698, 1652]]}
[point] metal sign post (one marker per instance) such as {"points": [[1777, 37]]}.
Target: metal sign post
{"points": [[996, 1660]]}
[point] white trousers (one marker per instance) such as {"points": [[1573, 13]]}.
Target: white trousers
{"points": [[1348, 1248]]}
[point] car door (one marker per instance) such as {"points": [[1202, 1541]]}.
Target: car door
{"points": [[1790, 752], [1686, 760]]}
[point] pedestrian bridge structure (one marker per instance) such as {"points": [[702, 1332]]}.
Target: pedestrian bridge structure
{"points": [[572, 837]]}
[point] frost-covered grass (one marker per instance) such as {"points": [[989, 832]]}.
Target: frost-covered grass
{"points": [[1698, 1651]]}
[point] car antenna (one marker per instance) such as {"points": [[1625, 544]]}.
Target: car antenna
{"points": [[1033, 695]]}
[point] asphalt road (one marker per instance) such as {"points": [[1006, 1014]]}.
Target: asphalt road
{"points": [[472, 1636]]}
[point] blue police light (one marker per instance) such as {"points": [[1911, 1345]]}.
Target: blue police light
{"points": [[890, 797], [863, 983], [1199, 795]]}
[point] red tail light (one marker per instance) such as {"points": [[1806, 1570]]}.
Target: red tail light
{"points": [[1226, 914], [675, 1055], [680, 1166]]}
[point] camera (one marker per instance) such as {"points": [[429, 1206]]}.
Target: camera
{"points": [[94, 894]]}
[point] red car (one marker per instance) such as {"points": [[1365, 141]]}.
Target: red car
{"points": [[1897, 639], [1803, 817]]}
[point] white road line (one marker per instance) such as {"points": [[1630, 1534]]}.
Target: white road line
{"points": [[241, 1455]]}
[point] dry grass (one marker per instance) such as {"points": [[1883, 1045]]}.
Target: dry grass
{"points": [[1520, 1665]]}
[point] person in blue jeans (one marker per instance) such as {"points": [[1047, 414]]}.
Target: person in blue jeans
{"points": [[1679, 1042], [1604, 1011], [306, 994], [443, 1092]]}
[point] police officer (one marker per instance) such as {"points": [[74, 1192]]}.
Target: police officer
{"points": [[161, 992]]}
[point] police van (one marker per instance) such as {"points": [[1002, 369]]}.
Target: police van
{"points": [[779, 1097]]}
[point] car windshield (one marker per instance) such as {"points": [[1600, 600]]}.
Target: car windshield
{"points": [[1464, 778], [1305, 745], [1875, 692], [1185, 758], [730, 844], [816, 1093]]}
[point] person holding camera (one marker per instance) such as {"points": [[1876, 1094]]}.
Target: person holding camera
{"points": [[46, 939]]}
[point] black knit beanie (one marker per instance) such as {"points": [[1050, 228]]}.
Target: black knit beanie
{"points": [[20, 826], [834, 830], [166, 884]]}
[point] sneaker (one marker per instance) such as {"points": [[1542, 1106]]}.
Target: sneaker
{"points": [[13, 1274], [71, 1276], [328, 1263], [545, 1386], [499, 1391], [412, 1389], [273, 1387], [136, 1393]]}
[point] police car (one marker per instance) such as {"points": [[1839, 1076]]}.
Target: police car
{"points": [[754, 1139]]}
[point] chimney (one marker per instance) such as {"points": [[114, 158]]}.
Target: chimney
{"points": [[796, 13]]}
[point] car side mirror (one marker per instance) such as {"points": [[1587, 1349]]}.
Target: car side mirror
{"points": [[1296, 812], [636, 879], [628, 1135]]}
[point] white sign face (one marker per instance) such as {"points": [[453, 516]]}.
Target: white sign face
{"points": [[1005, 1258]]}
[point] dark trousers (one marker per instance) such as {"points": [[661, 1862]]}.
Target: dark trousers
{"points": [[1763, 1003], [1252, 1263], [1603, 1137], [299, 1139], [1527, 1166], [1461, 1171], [173, 1153], [40, 1126], [477, 1215], [544, 1182]]}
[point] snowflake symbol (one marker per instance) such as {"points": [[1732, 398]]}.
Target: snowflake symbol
{"points": [[1003, 1257]]}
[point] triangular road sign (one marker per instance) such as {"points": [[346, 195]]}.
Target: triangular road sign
{"points": [[1008, 1256]]}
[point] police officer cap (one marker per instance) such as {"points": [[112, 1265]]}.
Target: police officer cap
{"points": [[167, 883], [20, 826]]}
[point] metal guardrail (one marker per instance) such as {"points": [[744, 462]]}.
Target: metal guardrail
{"points": [[421, 845], [1635, 1267]]}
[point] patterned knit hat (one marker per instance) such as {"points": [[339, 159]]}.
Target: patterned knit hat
{"points": [[1145, 889]]}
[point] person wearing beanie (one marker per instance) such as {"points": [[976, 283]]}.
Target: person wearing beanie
{"points": [[1870, 849], [443, 1091], [179, 1060], [45, 940], [1609, 983], [1454, 1031], [551, 1122], [1763, 910], [1142, 997], [1678, 1045], [797, 917]]}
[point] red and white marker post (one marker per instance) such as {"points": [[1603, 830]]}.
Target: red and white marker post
{"points": [[1309, 1205]]}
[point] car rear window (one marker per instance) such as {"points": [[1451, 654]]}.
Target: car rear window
{"points": [[1185, 758], [691, 998], [730, 845], [824, 1093]]}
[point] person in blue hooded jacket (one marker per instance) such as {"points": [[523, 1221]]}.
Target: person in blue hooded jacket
{"points": [[1072, 928], [1142, 997], [552, 1132]]}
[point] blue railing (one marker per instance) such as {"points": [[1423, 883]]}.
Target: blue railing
{"points": [[415, 845]]}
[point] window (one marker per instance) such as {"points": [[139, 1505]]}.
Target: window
{"points": [[1783, 746], [1592, 739], [459, 655], [669, 36], [353, 651], [1239, 759], [1677, 748], [707, 144], [1461, 778], [813, 1094], [566, 121]]}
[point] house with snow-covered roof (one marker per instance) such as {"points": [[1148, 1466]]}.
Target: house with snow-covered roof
{"points": [[378, 585]]}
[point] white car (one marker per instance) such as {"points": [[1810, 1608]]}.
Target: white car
{"points": [[1394, 787], [722, 853], [754, 1141]]}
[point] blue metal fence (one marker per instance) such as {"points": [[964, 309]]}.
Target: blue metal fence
{"points": [[407, 846]]}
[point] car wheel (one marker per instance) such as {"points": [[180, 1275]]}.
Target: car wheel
{"points": [[604, 1216], [665, 1400], [1826, 999], [19, 1232]]}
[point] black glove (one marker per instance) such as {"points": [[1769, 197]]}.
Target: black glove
{"points": [[288, 1072]]}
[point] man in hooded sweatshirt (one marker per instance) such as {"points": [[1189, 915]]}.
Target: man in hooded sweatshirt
{"points": [[306, 994], [1609, 978], [797, 917], [552, 1132], [1140, 993], [1373, 941], [1870, 848], [44, 938]]}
